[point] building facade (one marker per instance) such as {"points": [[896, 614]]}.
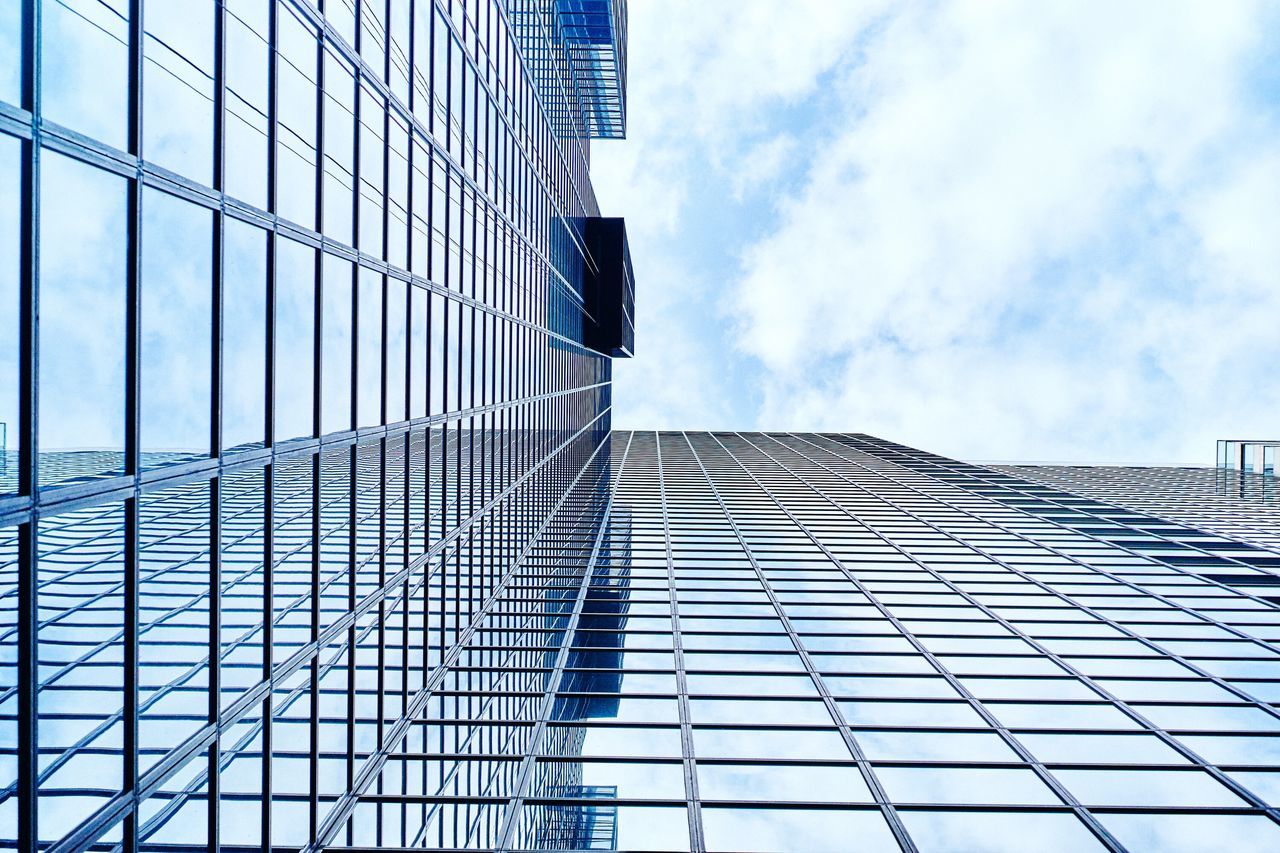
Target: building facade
{"points": [[304, 386], [314, 534], [833, 642]]}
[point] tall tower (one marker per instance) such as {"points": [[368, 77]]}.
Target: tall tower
{"points": [[306, 320]]}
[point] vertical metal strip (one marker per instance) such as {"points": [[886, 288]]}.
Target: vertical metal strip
{"points": [[268, 643], [215, 658], [29, 438], [133, 418]]}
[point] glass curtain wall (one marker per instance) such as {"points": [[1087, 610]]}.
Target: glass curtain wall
{"points": [[291, 389], [828, 642]]}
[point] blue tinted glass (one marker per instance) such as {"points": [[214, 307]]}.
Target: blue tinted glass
{"points": [[91, 97], [177, 295], [815, 830], [82, 320], [245, 125], [998, 832], [177, 90], [369, 353], [244, 334], [296, 138], [335, 398], [81, 647], [10, 210], [11, 53], [295, 339]]}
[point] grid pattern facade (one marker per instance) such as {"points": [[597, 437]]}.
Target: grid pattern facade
{"points": [[1239, 505], [292, 387], [827, 642]]}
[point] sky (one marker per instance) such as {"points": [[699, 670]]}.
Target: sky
{"points": [[996, 231]]}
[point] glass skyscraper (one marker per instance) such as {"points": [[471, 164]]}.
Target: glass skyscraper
{"points": [[307, 313], [315, 535]]}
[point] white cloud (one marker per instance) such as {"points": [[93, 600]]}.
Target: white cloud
{"points": [[1006, 230]]}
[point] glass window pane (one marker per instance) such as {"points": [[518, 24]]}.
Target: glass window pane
{"points": [[560, 826], [11, 52], [339, 149], [296, 101], [622, 779], [336, 355], [84, 68], [774, 782], [295, 339], [1100, 749], [244, 334], [769, 743], [369, 351], [82, 320], [177, 87], [795, 829], [177, 287], [245, 125], [397, 348], [1187, 833], [10, 296], [997, 832], [1123, 787], [964, 785]]}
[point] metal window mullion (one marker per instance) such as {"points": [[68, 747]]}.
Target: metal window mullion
{"points": [[215, 660], [133, 415], [313, 723], [886, 807], [28, 622], [268, 642]]}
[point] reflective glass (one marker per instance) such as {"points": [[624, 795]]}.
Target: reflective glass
{"points": [[998, 832], [10, 211], [81, 635], [177, 87], [964, 785], [82, 320], [336, 348], [177, 337], [1115, 787], [8, 669], [795, 829], [1184, 833], [779, 782], [89, 97], [11, 53], [769, 743], [295, 339], [244, 335], [247, 26]]}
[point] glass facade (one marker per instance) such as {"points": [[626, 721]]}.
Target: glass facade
{"points": [[314, 534], [296, 399]]}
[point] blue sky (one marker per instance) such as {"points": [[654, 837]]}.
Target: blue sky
{"points": [[995, 231]]}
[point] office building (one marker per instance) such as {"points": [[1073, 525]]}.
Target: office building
{"points": [[315, 535], [306, 323]]}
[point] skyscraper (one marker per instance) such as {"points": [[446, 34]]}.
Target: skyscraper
{"points": [[314, 533], [306, 319]]}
